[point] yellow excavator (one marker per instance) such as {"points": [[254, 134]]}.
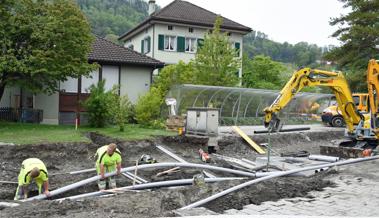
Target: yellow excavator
{"points": [[365, 135]]}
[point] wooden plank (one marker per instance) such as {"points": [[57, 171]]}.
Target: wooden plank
{"points": [[248, 140]]}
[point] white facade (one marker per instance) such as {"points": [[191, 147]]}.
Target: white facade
{"points": [[173, 31]]}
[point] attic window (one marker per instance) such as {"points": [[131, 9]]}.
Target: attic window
{"points": [[170, 27], [190, 30]]}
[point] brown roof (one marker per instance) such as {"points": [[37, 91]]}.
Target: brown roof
{"points": [[184, 12], [104, 51]]}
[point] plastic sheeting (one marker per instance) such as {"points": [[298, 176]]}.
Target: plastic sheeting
{"points": [[243, 106]]}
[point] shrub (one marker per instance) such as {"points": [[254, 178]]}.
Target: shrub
{"points": [[99, 105], [120, 110], [148, 107]]}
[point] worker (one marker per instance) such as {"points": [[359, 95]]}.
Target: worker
{"points": [[32, 168], [108, 160]]}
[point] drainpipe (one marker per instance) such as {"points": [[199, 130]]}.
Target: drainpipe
{"points": [[140, 167], [169, 183]]}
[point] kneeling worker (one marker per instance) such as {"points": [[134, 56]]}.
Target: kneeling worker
{"points": [[32, 168], [108, 160]]}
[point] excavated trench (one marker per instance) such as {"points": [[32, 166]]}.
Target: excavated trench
{"points": [[66, 157]]}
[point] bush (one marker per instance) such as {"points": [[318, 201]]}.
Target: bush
{"points": [[120, 110], [99, 105], [148, 107]]}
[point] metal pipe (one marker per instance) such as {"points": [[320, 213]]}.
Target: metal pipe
{"points": [[284, 130], [323, 158], [140, 167], [179, 182], [181, 160], [82, 171], [279, 174], [131, 178]]}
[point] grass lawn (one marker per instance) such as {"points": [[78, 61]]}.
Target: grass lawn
{"points": [[24, 133]]}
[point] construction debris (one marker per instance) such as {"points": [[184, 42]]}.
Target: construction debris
{"points": [[248, 140]]}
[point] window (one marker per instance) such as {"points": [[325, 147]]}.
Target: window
{"points": [[170, 27], [131, 47], [169, 43], [356, 100], [191, 45], [237, 47], [145, 45], [190, 30], [229, 34]]}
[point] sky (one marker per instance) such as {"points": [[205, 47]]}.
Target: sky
{"points": [[292, 21]]}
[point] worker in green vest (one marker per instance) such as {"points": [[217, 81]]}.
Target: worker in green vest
{"points": [[32, 168], [108, 160]]}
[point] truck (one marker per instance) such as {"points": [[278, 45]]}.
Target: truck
{"points": [[332, 115]]}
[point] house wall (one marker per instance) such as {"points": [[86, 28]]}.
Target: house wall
{"points": [[50, 106], [93, 78], [111, 76], [135, 81], [135, 42], [173, 57], [9, 97]]}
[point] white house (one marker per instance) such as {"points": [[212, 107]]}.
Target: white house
{"points": [[121, 66], [175, 32]]}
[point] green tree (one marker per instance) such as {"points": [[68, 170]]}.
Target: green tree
{"points": [[262, 72], [216, 62], [359, 33], [42, 42]]}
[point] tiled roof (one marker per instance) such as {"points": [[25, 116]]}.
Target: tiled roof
{"points": [[184, 12], [104, 51]]}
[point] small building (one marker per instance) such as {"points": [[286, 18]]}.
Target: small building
{"points": [[121, 66], [175, 32]]}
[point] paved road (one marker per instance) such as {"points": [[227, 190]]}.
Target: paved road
{"points": [[227, 130], [356, 194]]}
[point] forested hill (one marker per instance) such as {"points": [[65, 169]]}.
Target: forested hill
{"points": [[301, 54], [112, 18]]}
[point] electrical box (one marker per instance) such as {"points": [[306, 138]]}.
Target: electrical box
{"points": [[202, 121]]}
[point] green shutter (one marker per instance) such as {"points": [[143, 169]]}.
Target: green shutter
{"points": [[237, 45], [200, 43], [161, 42], [148, 44], [181, 44], [142, 47]]}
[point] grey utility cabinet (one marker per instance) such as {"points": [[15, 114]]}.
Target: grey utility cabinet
{"points": [[202, 121]]}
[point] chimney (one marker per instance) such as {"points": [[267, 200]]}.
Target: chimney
{"points": [[151, 6]]}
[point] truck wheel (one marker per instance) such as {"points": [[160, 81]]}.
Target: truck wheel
{"points": [[338, 122]]}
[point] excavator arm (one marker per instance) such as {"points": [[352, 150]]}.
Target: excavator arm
{"points": [[373, 95], [307, 77]]}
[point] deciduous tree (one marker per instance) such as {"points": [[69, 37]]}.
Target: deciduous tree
{"points": [[217, 62], [42, 42]]}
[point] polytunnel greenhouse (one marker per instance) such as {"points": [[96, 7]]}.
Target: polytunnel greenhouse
{"points": [[244, 106]]}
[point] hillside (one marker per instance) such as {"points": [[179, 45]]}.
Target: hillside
{"points": [[112, 18]]}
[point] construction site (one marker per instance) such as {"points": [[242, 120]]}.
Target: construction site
{"points": [[209, 169]]}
